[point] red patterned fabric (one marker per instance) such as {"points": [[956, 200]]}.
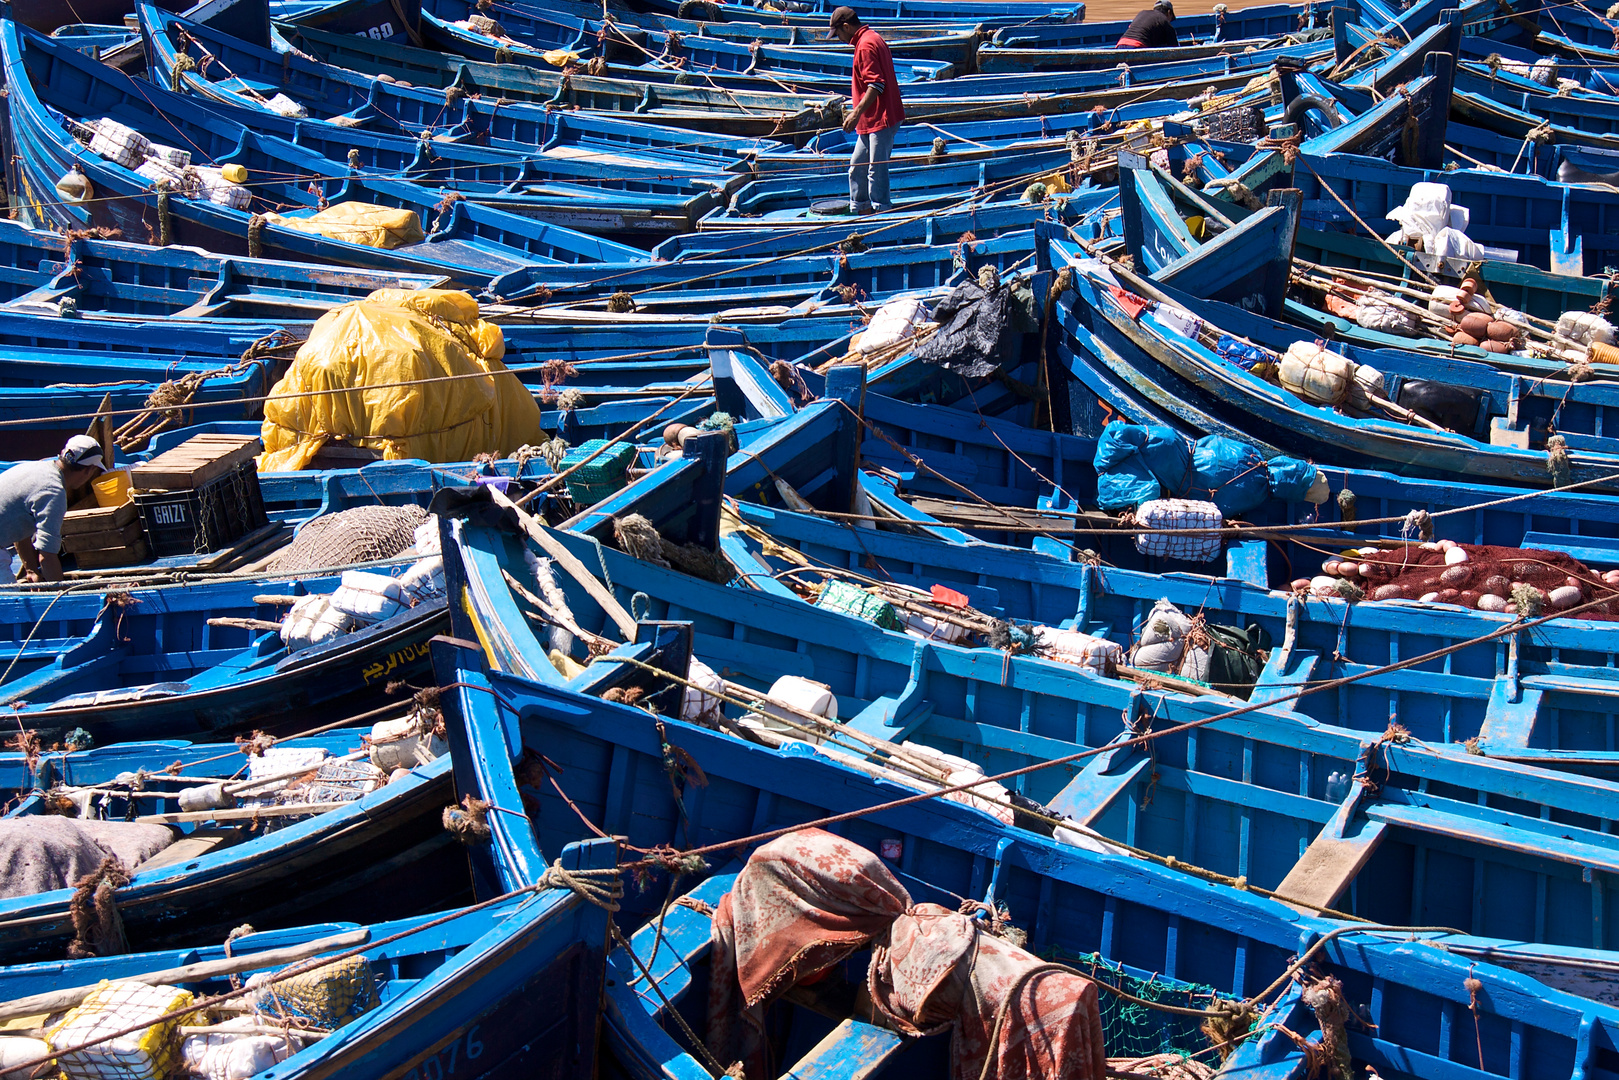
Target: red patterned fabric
{"points": [[940, 968], [801, 904]]}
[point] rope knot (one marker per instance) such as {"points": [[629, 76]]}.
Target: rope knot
{"points": [[603, 888], [98, 930], [1418, 523], [469, 822]]}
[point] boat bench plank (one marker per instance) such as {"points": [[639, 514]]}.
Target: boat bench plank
{"points": [[1599, 550], [1426, 819], [685, 935], [1088, 795], [851, 1051], [193, 845], [1327, 867]]}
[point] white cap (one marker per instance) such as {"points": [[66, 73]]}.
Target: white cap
{"points": [[83, 450]]}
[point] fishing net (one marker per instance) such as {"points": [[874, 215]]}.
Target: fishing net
{"points": [[1522, 581], [1133, 1030], [363, 534]]}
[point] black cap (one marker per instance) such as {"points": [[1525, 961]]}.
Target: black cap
{"points": [[844, 15], [1166, 7]]}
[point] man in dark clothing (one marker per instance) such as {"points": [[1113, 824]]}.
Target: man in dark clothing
{"points": [[1151, 29], [876, 115]]}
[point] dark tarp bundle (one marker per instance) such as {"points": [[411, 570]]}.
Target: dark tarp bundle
{"points": [[976, 329]]}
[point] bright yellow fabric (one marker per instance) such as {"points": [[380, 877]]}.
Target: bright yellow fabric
{"points": [[561, 57], [359, 223], [1056, 183], [358, 354]]}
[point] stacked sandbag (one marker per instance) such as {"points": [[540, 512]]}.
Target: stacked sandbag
{"points": [[895, 321], [92, 1049], [119, 144], [1322, 377], [1173, 516], [364, 598], [1225, 657], [1082, 650]]}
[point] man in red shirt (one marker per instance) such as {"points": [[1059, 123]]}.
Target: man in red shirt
{"points": [[876, 116]]}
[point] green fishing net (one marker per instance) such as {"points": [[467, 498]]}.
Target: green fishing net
{"points": [[1132, 1030]]}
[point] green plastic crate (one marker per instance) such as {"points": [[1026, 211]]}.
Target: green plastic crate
{"points": [[601, 477], [853, 600]]}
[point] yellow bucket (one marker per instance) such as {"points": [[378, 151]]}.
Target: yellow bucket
{"points": [[112, 489]]}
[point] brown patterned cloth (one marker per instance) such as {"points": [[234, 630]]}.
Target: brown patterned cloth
{"points": [[941, 970], [806, 901], [801, 904]]}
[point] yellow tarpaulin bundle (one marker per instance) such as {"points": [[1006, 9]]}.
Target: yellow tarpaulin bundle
{"points": [[359, 223], [361, 352], [561, 57]]}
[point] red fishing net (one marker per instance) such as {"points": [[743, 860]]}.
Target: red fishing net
{"points": [[1487, 577]]}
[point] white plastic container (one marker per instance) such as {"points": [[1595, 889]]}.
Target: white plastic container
{"points": [[802, 695]]}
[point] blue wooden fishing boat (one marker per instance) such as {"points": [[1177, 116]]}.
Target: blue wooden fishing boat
{"points": [[367, 847], [92, 38], [1262, 21], [921, 139], [513, 984], [851, 235], [327, 90], [100, 279], [1041, 497], [374, 20], [1257, 278], [816, 12], [463, 239], [1170, 368], [157, 667], [828, 285], [914, 187], [734, 112], [528, 33], [943, 849], [40, 386], [1550, 225], [195, 339]]}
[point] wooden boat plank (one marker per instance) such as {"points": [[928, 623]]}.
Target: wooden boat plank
{"points": [[193, 845], [1334, 858], [854, 1050]]}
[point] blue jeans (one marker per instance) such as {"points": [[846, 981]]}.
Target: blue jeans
{"points": [[868, 170]]}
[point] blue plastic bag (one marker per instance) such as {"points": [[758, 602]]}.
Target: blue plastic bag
{"points": [[1126, 486], [1290, 478], [1169, 456], [1229, 474], [1240, 353], [1119, 443]]}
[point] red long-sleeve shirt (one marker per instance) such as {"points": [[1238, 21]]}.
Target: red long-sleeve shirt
{"points": [[874, 67]]}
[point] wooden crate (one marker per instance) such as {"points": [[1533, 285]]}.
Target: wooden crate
{"points": [[194, 462], [101, 558], [99, 520], [126, 537]]}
